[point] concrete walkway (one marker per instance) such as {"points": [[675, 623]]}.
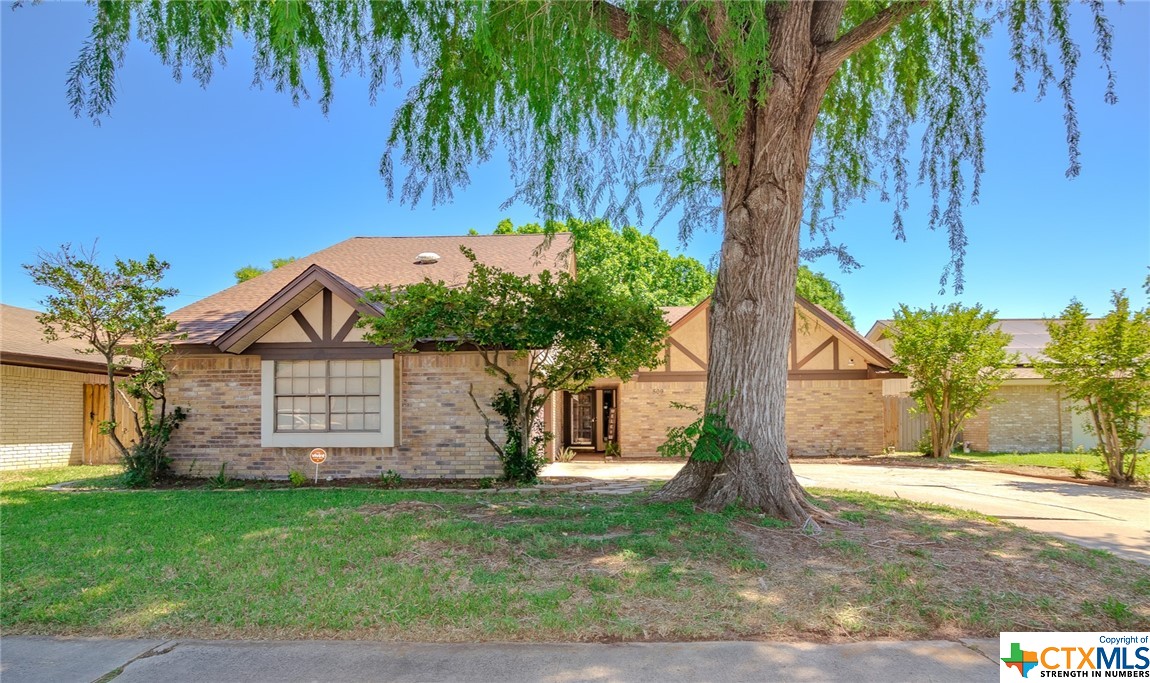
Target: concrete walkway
{"points": [[62, 660], [1093, 516]]}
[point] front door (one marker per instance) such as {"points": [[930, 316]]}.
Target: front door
{"points": [[582, 421]]}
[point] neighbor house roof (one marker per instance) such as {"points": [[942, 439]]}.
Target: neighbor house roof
{"points": [[362, 263], [22, 343], [1029, 335]]}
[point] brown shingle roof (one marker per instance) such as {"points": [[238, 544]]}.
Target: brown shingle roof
{"points": [[673, 314], [22, 343], [365, 262], [1029, 336]]}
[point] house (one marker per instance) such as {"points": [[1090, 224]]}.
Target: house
{"points": [[1027, 414], [52, 398], [275, 366], [834, 391]]}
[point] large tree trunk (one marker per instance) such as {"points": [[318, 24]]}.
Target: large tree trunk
{"points": [[752, 311]]}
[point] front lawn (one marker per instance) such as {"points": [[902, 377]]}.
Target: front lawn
{"points": [[1081, 465], [393, 565]]}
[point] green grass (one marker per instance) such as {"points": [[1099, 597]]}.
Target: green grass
{"points": [[349, 563], [1064, 463]]}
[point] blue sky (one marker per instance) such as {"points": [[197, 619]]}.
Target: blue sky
{"points": [[215, 179]]}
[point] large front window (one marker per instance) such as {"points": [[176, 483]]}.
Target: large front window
{"points": [[327, 396]]}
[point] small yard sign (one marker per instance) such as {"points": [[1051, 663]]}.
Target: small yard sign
{"points": [[317, 455]]}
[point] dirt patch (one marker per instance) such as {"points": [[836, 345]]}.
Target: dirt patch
{"points": [[403, 506]]}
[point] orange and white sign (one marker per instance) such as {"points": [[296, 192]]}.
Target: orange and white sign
{"points": [[318, 455]]}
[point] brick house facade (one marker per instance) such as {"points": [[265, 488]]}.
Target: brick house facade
{"points": [[276, 366], [52, 398], [834, 391]]}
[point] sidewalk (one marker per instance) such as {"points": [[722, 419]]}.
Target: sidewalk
{"points": [[32, 659]]}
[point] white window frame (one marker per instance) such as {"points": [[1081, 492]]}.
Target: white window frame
{"points": [[384, 438]]}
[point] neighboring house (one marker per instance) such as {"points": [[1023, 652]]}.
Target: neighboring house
{"points": [[1027, 414], [52, 398], [834, 391], [275, 366]]}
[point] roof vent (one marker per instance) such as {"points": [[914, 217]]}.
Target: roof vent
{"points": [[427, 257]]}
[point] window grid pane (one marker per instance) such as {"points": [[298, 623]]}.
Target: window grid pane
{"points": [[321, 396]]}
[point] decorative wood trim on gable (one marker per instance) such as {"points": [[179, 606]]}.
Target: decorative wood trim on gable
{"points": [[686, 352], [347, 327], [326, 315], [304, 325], [319, 351], [286, 302], [829, 341], [841, 329]]}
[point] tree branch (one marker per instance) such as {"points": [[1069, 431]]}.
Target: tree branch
{"points": [[666, 49], [833, 54], [486, 421], [825, 19]]}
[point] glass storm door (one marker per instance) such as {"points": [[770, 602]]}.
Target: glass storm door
{"points": [[583, 418]]}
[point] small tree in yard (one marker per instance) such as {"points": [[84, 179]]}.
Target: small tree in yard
{"points": [[955, 358], [118, 312], [1105, 368], [538, 334]]}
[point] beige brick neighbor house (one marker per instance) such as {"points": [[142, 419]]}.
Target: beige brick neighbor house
{"points": [[52, 398], [1027, 414], [275, 366]]}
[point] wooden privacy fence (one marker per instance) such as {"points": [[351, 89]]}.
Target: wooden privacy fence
{"points": [[98, 448], [901, 428]]}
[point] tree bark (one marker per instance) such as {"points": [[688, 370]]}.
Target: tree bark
{"points": [[752, 311]]}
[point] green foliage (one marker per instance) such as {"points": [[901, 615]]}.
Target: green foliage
{"points": [[1104, 367], [520, 455], [956, 358], [634, 264], [552, 82], [818, 289], [705, 439], [119, 313], [629, 260], [538, 334], [390, 479], [297, 478], [221, 480], [248, 272]]}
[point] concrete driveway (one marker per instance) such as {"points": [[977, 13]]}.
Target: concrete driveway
{"points": [[1093, 516]]}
